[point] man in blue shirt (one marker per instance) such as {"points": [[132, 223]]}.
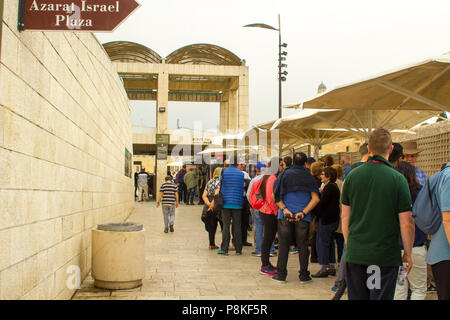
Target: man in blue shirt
{"points": [[232, 188], [439, 251], [179, 179], [364, 153], [296, 194]]}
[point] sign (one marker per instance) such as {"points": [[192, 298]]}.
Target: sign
{"points": [[74, 15], [128, 167], [162, 146]]}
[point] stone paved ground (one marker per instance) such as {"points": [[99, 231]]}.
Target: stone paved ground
{"points": [[179, 265]]}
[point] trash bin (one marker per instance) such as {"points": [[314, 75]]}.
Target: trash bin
{"points": [[118, 255]]}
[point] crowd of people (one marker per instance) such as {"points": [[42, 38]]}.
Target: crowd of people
{"points": [[358, 216]]}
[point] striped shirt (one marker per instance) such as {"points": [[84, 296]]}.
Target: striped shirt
{"points": [[169, 189]]}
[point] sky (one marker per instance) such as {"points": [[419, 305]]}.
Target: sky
{"points": [[336, 42]]}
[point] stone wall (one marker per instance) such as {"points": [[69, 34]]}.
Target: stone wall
{"points": [[434, 141], [64, 127]]}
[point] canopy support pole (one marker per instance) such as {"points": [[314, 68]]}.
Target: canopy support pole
{"points": [[389, 119], [335, 123], [358, 119], [316, 152], [395, 88]]}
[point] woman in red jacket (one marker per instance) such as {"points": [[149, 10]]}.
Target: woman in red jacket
{"points": [[268, 214]]}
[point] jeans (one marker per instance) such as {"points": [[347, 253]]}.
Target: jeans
{"points": [[342, 269], [339, 237], [169, 215], [358, 278], [416, 279], [325, 244], [259, 227], [231, 216], [285, 231], [190, 196]]}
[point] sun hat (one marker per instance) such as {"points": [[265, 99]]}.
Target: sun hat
{"points": [[410, 147]]}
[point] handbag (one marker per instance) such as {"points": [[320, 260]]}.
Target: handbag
{"points": [[205, 211]]}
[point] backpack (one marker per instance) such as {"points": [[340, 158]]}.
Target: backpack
{"points": [[426, 211], [255, 197]]}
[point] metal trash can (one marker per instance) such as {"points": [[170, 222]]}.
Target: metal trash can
{"points": [[118, 255]]}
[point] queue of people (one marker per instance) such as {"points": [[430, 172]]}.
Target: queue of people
{"points": [[361, 213]]}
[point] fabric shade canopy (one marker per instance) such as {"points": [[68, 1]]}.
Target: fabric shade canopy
{"points": [[420, 86], [304, 127], [358, 121]]}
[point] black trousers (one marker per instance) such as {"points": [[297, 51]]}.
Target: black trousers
{"points": [[200, 194], [285, 231], [231, 216], [314, 255], [357, 277], [245, 219], [270, 222], [211, 227], [441, 272], [181, 192]]}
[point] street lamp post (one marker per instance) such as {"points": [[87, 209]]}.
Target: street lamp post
{"points": [[281, 58]]}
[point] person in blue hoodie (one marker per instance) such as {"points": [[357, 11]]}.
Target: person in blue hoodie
{"points": [[296, 194], [232, 189]]}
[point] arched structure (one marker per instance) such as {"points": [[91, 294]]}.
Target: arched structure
{"points": [[124, 51], [203, 53], [195, 73]]}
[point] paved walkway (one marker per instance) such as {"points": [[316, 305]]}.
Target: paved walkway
{"points": [[179, 265]]}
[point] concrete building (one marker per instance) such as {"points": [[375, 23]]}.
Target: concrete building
{"points": [[195, 73], [64, 131]]}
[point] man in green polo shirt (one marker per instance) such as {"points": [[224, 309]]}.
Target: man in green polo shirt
{"points": [[376, 210]]}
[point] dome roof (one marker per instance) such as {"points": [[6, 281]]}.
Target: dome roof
{"points": [[125, 51], [201, 53]]}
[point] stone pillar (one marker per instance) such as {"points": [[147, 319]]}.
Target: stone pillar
{"points": [[162, 100], [162, 119], [243, 121], [233, 110], [224, 112]]}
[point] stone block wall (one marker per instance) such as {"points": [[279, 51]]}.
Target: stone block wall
{"points": [[434, 141], [64, 127]]}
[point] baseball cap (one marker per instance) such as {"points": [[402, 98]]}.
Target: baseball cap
{"points": [[260, 165]]}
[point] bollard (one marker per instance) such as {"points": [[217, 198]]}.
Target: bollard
{"points": [[118, 255]]}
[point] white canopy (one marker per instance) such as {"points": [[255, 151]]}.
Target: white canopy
{"points": [[423, 85]]}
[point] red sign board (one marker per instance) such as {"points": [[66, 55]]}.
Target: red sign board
{"points": [[74, 15]]}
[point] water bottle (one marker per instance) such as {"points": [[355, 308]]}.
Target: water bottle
{"points": [[401, 276]]}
